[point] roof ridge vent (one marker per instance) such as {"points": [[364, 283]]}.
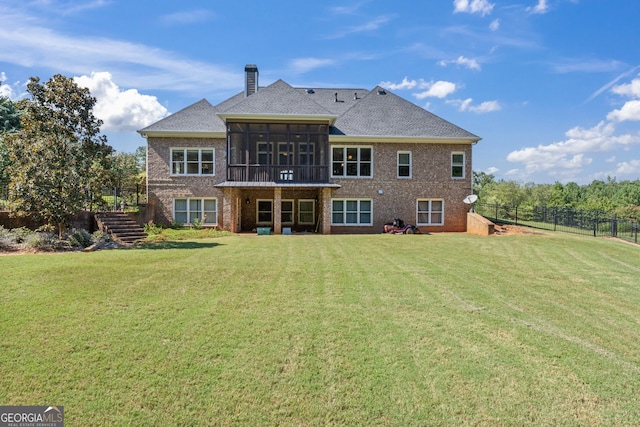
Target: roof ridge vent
{"points": [[382, 91]]}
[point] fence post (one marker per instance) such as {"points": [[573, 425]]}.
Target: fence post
{"points": [[555, 218], [614, 226], [496, 211], [516, 215]]}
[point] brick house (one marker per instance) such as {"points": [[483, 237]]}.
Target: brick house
{"points": [[308, 159]]}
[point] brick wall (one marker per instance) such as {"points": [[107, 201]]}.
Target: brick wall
{"points": [[431, 179], [163, 188]]}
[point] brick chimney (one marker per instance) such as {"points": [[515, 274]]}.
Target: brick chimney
{"points": [[251, 79]]}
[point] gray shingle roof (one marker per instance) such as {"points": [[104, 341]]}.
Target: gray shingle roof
{"points": [[375, 113], [382, 113], [277, 99], [196, 118]]}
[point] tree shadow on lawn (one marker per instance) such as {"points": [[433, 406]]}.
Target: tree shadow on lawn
{"points": [[177, 244]]}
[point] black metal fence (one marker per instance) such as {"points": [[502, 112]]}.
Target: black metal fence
{"points": [[557, 218], [126, 196]]}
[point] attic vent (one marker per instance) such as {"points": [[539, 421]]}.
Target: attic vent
{"points": [[311, 91], [338, 100], [355, 95], [382, 92]]}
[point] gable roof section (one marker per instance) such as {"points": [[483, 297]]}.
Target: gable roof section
{"points": [[277, 101], [357, 115], [382, 114], [199, 118]]}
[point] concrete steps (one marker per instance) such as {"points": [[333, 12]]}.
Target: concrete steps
{"points": [[121, 226]]}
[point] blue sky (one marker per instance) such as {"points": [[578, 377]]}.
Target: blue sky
{"points": [[552, 86]]}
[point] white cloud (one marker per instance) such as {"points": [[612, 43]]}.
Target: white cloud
{"points": [[484, 107], [481, 7], [372, 25], [630, 111], [495, 25], [570, 153], [631, 89], [540, 8], [10, 91], [303, 65], [405, 84], [631, 168], [491, 170], [439, 89], [121, 110], [26, 41], [461, 60], [187, 17]]}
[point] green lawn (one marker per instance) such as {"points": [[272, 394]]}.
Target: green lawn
{"points": [[390, 330]]}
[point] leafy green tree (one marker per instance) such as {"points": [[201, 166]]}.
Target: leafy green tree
{"points": [[54, 152], [9, 122], [480, 181]]}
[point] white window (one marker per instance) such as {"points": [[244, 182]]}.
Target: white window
{"points": [[264, 212], [352, 162], [430, 212], [192, 161], [190, 211], [306, 211], [457, 165], [286, 211], [404, 164], [351, 212]]}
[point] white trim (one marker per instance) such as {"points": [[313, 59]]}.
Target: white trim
{"points": [[344, 223], [344, 160], [463, 165], [202, 210], [398, 164], [429, 212], [186, 162], [346, 139]]}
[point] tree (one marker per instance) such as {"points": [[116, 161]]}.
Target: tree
{"points": [[9, 122], [55, 151]]}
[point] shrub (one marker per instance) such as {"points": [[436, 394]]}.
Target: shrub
{"points": [[20, 234], [44, 241], [79, 238], [177, 225], [197, 224], [100, 236], [151, 228]]}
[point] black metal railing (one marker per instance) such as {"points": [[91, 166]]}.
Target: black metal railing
{"points": [[565, 219], [278, 173]]}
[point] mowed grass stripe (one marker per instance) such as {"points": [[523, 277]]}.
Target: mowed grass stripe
{"points": [[443, 329]]}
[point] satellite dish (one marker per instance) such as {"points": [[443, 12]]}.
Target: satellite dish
{"points": [[470, 200]]}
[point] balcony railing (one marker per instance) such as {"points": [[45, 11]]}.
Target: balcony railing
{"points": [[277, 173]]}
